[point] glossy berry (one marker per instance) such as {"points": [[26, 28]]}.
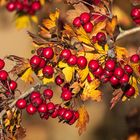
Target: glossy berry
{"points": [[101, 37], [21, 104], [35, 61], [114, 81], [104, 79], [34, 94], [31, 109], [137, 21], [110, 65], [65, 87], [37, 101], [66, 95], [135, 58], [48, 53], [118, 72], [88, 27], [65, 54], [19, 6], [12, 85], [54, 114], [39, 51], [48, 94], [96, 2], [98, 72], [108, 73], [48, 71], [36, 6], [124, 79], [130, 92], [93, 65], [128, 69], [89, 79], [72, 121], [50, 107], [81, 62], [68, 115], [42, 108], [11, 6], [135, 13], [72, 60], [76, 114], [42, 63], [2, 64], [59, 80], [3, 75], [85, 17], [77, 22], [61, 112]]}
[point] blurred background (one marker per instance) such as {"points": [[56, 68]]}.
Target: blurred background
{"points": [[104, 124]]}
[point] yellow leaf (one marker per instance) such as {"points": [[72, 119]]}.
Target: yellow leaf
{"points": [[121, 52], [51, 23], [83, 36], [34, 19], [22, 22], [83, 120], [62, 64], [42, 2], [48, 80], [90, 91], [27, 76]]}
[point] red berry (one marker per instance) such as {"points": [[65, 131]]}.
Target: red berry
{"points": [[36, 5], [108, 73], [54, 114], [46, 116], [59, 80], [77, 22], [119, 72], [124, 79], [31, 109], [68, 115], [89, 79], [72, 121], [128, 69], [88, 27], [26, 8], [42, 108], [48, 71], [81, 62], [96, 2], [101, 37], [66, 95], [12, 85], [2, 64], [98, 72], [3, 75], [48, 94], [21, 104], [135, 13], [40, 51], [137, 21], [35, 61], [76, 114], [48, 53], [65, 54], [37, 101], [72, 60], [61, 112], [8, 94], [42, 63], [85, 17], [104, 79], [114, 81], [65, 87], [19, 6], [50, 107], [130, 92], [135, 58], [110, 65], [11, 6], [93, 65], [34, 95], [94, 39]]}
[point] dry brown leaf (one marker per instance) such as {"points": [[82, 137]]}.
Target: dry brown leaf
{"points": [[83, 119]]}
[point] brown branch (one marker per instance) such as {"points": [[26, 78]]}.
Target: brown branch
{"points": [[25, 94], [128, 32]]}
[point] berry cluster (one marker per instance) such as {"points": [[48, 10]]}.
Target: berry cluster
{"points": [[135, 14], [24, 6], [9, 86], [41, 103]]}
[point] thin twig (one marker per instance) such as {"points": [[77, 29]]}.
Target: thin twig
{"points": [[128, 32], [25, 94]]}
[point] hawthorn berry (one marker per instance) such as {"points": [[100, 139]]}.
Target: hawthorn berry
{"points": [[93, 65], [128, 69], [11, 6], [88, 27], [40, 51], [89, 79], [31, 109], [114, 81], [68, 114], [2, 64], [118, 72], [135, 13], [48, 71], [124, 79], [48, 53], [12, 85], [85, 17], [101, 37], [76, 114], [137, 21], [35, 61], [59, 80], [42, 108], [81, 62], [66, 95], [61, 112], [19, 5], [110, 65], [104, 79], [108, 73], [77, 22], [54, 114], [72, 60], [37, 101], [135, 58], [48, 94], [50, 107], [98, 72], [130, 92], [3, 75], [42, 63], [65, 54], [36, 5], [72, 121], [34, 94], [21, 103]]}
